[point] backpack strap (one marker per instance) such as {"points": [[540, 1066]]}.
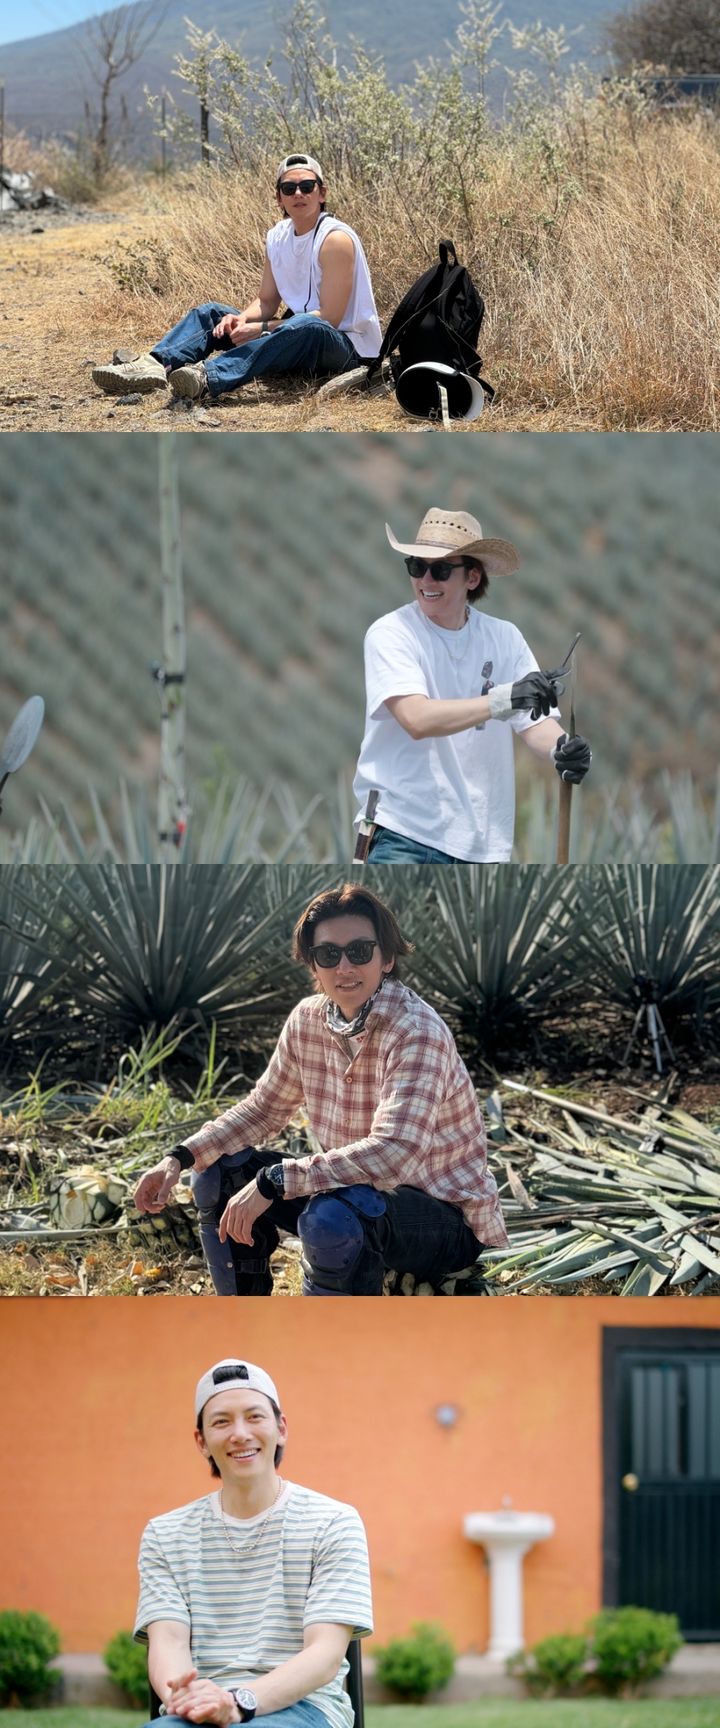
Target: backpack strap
{"points": [[400, 319]]}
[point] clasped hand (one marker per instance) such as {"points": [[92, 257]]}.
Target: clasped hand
{"points": [[199, 1700], [240, 330]]}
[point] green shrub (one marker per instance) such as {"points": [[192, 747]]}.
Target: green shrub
{"points": [[27, 1644], [418, 1664], [126, 1663], [632, 1645], [554, 1666]]}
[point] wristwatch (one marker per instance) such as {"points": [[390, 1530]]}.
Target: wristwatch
{"points": [[244, 1701], [271, 1182], [264, 327]]}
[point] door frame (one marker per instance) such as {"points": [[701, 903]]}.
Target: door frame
{"points": [[615, 1340]]}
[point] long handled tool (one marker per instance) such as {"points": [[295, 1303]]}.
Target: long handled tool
{"points": [[566, 791], [21, 738]]}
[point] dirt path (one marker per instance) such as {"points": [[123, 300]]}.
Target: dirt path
{"points": [[53, 331]]}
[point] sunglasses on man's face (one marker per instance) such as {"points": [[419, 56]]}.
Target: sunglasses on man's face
{"points": [[287, 187], [359, 952], [438, 568]]}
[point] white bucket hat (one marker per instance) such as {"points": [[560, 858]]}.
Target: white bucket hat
{"points": [[417, 391], [442, 532], [233, 1375]]}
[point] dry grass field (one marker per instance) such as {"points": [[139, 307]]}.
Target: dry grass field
{"points": [[597, 251]]}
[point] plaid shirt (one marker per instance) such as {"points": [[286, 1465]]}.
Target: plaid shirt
{"points": [[394, 1106]]}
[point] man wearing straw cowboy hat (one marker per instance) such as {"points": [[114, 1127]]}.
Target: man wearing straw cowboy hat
{"points": [[250, 1595], [315, 264], [446, 688]]}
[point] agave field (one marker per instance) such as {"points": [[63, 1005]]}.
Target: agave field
{"points": [[137, 1002]]}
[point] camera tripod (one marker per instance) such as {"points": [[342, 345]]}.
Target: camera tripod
{"points": [[648, 994]]}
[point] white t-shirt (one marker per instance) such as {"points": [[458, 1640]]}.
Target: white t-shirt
{"points": [[457, 793], [296, 264], [305, 1563]]}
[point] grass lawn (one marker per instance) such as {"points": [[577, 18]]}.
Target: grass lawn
{"points": [[495, 1713]]}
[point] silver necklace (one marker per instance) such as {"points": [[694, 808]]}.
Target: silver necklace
{"points": [[247, 1547], [446, 636]]}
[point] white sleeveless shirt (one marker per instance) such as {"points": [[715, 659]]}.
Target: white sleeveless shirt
{"points": [[296, 264]]}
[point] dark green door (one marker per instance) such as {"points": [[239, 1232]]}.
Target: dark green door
{"points": [[662, 1508]]}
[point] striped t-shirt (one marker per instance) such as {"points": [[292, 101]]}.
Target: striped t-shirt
{"points": [[306, 1562]]}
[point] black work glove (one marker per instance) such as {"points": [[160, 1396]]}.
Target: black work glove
{"points": [[572, 757], [534, 694]]}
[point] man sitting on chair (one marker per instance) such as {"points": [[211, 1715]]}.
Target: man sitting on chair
{"points": [[316, 265], [249, 1596]]}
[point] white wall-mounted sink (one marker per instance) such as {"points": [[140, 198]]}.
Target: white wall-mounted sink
{"points": [[507, 1535]]}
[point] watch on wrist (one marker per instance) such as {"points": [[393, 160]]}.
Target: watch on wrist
{"points": [[244, 1701], [271, 1182], [184, 1157], [264, 327]]}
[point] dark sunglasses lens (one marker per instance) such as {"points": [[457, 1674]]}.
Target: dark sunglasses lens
{"points": [[287, 187], [329, 954], [437, 570], [360, 953]]}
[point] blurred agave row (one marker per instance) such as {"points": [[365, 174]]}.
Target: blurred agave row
{"points": [[99, 954], [240, 822]]}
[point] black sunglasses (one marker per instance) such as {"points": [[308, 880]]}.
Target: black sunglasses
{"points": [[439, 568], [287, 187], [359, 952]]}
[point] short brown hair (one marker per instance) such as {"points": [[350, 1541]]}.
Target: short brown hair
{"points": [[350, 898], [484, 583]]}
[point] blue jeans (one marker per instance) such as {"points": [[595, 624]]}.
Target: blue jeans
{"points": [[301, 1715], [389, 848], [303, 344], [411, 1232]]}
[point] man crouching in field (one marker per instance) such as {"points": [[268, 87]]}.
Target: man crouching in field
{"points": [[316, 265], [402, 1181]]}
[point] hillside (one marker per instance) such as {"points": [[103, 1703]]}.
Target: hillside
{"points": [[47, 81], [286, 564]]}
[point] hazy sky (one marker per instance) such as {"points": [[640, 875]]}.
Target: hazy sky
{"points": [[22, 18]]}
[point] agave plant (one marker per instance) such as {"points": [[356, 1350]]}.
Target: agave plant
{"points": [[651, 934], [30, 973], [491, 942], [151, 945], [610, 1201]]}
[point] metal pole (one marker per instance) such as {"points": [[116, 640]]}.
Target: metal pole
{"points": [[163, 140], [2, 128], [172, 801]]}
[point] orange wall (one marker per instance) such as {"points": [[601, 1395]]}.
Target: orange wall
{"points": [[97, 1437]]}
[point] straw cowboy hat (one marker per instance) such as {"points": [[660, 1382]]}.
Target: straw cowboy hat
{"points": [[445, 531]]}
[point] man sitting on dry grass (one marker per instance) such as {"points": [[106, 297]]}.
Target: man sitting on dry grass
{"points": [[316, 265]]}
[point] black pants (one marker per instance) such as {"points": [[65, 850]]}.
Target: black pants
{"points": [[415, 1233]]}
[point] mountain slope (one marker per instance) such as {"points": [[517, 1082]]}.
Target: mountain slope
{"points": [[47, 78]]}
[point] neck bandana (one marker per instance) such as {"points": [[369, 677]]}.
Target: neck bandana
{"points": [[335, 1019]]}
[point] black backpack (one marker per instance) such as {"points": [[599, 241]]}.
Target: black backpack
{"points": [[437, 320]]}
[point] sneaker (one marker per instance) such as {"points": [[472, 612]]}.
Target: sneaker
{"points": [[190, 382], [143, 374]]}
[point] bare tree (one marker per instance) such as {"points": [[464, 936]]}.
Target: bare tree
{"points": [[115, 41], [673, 35]]}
